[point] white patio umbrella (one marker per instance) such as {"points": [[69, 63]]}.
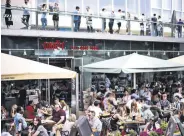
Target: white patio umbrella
{"points": [[133, 63], [179, 59], [16, 68]]}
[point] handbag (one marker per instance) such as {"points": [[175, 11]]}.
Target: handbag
{"points": [[10, 22]]}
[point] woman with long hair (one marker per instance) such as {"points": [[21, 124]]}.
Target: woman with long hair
{"points": [[38, 128], [134, 111], [8, 14], [65, 107]]}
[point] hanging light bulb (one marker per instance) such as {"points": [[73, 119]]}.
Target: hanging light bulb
{"points": [[178, 53], [124, 53], [10, 52], [108, 53], [148, 53], [84, 53], [25, 53], [164, 53]]}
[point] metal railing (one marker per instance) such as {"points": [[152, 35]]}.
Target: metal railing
{"points": [[129, 26]]}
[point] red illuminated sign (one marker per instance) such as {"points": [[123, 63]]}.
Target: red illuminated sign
{"points": [[61, 45]]}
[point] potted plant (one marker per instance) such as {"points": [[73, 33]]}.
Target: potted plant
{"points": [[132, 133], [153, 133]]}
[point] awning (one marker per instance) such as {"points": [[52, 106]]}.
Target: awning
{"points": [[16, 68], [133, 63]]}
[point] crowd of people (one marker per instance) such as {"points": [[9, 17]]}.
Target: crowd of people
{"points": [[149, 27], [38, 119]]}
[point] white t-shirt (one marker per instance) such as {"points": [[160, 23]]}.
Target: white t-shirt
{"points": [[119, 15], [68, 126], [26, 9], [96, 109]]}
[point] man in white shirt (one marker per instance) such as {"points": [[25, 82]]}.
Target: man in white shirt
{"points": [[103, 14], [26, 14], [89, 20], [95, 123], [95, 107]]}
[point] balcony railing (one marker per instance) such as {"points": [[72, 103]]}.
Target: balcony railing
{"points": [[130, 26]]}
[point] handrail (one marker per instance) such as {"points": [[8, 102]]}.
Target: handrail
{"points": [[84, 15]]}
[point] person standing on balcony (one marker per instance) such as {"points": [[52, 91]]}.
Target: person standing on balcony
{"points": [[180, 25], [119, 16], [44, 16], [76, 19], [154, 25], [111, 22], [8, 14], [142, 25], [89, 19], [55, 17], [26, 14], [128, 25], [160, 26], [103, 14]]}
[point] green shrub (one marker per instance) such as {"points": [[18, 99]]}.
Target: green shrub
{"points": [[163, 125], [152, 133]]}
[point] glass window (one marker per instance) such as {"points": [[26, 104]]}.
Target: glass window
{"points": [[132, 6], [166, 15], [156, 11], [92, 4], [167, 4], [177, 5], [61, 4], [119, 4], [156, 3], [141, 46], [107, 4], [178, 15], [117, 45], [71, 5]]}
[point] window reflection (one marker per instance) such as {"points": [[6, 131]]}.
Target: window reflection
{"points": [[71, 5], [107, 4], [92, 4]]}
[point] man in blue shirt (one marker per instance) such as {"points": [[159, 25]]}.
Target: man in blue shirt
{"points": [[19, 120], [180, 25], [76, 19]]}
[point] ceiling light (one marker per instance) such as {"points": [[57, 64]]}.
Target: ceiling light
{"points": [[148, 53], [124, 53], [84, 53], [25, 53], [10, 52], [164, 53], [108, 53]]}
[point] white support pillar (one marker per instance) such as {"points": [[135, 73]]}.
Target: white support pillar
{"points": [[134, 81], [77, 94]]}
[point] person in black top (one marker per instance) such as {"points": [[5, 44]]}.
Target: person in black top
{"points": [[22, 97], [8, 14]]}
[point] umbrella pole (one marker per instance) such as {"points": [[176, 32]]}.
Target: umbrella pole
{"points": [[77, 94], [134, 80]]}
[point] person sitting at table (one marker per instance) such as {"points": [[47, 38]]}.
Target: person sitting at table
{"points": [[146, 112], [59, 116], [135, 94], [181, 116], [56, 101], [4, 113], [30, 110], [69, 123], [126, 97], [164, 104], [12, 114], [65, 107], [41, 112], [20, 122], [177, 93], [114, 119], [95, 123], [123, 110], [37, 129], [96, 108], [13, 110], [176, 103], [134, 111]]}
